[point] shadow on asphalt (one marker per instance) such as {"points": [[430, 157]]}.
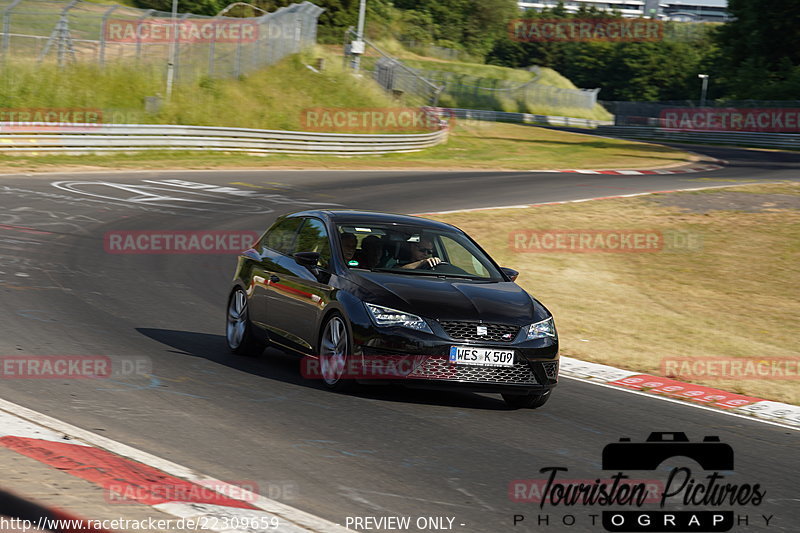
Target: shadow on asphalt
{"points": [[280, 366]]}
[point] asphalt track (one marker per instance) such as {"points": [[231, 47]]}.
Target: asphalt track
{"points": [[380, 452]]}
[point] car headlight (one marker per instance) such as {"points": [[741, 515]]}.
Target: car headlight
{"points": [[385, 316], [543, 329]]}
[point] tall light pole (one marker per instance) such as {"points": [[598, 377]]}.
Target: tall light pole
{"points": [[357, 48], [704, 90]]}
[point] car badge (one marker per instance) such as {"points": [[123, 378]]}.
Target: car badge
{"points": [[483, 330], [507, 336]]}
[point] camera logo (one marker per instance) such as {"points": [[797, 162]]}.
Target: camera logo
{"points": [[711, 454]]}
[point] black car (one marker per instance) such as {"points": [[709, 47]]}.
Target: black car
{"points": [[365, 296]]}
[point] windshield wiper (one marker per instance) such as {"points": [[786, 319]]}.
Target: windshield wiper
{"points": [[427, 273], [403, 271]]}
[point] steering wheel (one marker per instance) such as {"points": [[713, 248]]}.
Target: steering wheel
{"points": [[427, 266]]}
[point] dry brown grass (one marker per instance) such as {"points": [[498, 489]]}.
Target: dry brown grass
{"points": [[736, 296]]}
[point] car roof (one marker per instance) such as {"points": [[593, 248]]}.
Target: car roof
{"points": [[344, 216]]}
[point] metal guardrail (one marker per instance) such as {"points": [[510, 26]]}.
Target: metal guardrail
{"points": [[738, 138], [524, 118], [92, 138]]}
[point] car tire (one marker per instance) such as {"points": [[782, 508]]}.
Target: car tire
{"points": [[334, 353], [238, 328], [526, 401]]}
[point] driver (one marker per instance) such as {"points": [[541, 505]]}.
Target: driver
{"points": [[349, 243], [422, 254]]}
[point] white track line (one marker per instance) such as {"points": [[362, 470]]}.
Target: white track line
{"points": [[683, 403], [614, 197]]}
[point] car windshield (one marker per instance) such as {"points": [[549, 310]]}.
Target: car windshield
{"points": [[414, 250]]}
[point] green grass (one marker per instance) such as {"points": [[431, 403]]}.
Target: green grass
{"points": [[257, 100], [272, 98]]}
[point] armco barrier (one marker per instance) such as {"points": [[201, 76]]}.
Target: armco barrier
{"points": [[94, 138], [524, 118], [738, 138]]}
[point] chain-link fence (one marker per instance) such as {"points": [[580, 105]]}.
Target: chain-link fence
{"points": [[452, 89], [431, 50], [782, 115], [395, 76], [63, 32], [492, 93]]}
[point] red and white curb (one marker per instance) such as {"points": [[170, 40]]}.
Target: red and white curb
{"points": [[782, 414], [678, 170], [108, 463]]}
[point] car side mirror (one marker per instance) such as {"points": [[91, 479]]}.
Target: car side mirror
{"points": [[251, 254], [510, 272], [307, 259]]}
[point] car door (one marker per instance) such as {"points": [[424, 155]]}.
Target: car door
{"points": [[276, 243], [297, 293]]}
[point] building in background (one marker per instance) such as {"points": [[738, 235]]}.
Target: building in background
{"points": [[683, 10]]}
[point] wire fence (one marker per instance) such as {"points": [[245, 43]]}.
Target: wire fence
{"points": [[433, 87], [78, 31], [498, 94], [666, 113], [432, 50]]}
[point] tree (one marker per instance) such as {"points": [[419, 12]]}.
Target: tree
{"points": [[651, 70], [474, 24], [759, 51], [198, 7]]}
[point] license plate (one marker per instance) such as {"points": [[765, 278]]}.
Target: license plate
{"points": [[469, 355]]}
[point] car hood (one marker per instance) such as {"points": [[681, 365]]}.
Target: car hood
{"points": [[451, 298]]}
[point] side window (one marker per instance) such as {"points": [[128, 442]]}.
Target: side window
{"points": [[281, 237], [313, 237]]}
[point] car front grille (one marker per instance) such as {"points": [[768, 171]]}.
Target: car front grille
{"points": [[551, 369], [439, 367], [469, 331]]}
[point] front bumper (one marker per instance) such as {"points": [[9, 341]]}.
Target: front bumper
{"points": [[424, 361]]}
